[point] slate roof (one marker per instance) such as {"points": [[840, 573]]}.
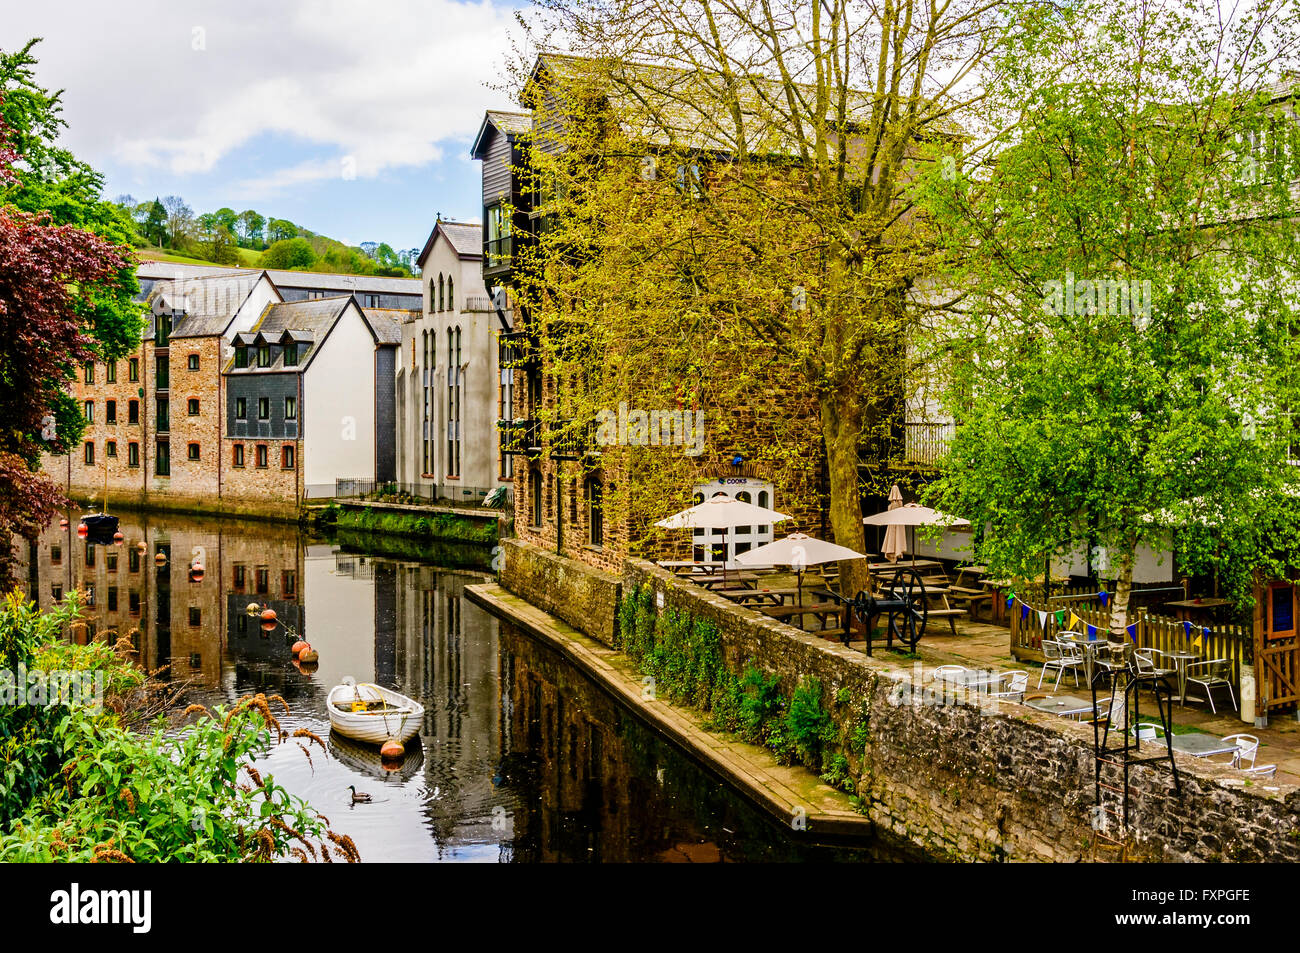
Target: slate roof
{"points": [[671, 106], [209, 302], [314, 317], [466, 240], [507, 123], [165, 270], [387, 323]]}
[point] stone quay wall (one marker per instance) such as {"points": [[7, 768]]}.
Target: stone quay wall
{"points": [[962, 778]]}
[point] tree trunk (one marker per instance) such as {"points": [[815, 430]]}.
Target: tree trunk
{"points": [[841, 419], [1123, 590]]}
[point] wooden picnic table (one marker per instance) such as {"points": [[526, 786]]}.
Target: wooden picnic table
{"points": [[822, 611], [905, 564], [1194, 610]]}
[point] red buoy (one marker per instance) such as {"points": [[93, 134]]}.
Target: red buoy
{"points": [[63, 523], [81, 529], [299, 646], [118, 537], [308, 655], [196, 572], [268, 615], [392, 748]]}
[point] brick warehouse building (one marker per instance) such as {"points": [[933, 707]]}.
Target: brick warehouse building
{"points": [[561, 489], [157, 426]]}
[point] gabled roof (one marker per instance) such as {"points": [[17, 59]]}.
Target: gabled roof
{"points": [[311, 320], [507, 123], [669, 106], [386, 323], [210, 302], [160, 271], [465, 238]]}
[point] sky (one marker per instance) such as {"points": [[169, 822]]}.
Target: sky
{"points": [[353, 119]]}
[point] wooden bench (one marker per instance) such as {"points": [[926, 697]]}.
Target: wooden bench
{"points": [[970, 600], [949, 614]]}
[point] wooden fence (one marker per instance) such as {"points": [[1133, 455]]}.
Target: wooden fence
{"points": [[1232, 641]]}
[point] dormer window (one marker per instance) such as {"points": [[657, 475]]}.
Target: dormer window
{"points": [[291, 354], [241, 356], [264, 355]]}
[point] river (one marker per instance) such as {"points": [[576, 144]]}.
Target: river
{"points": [[521, 757]]}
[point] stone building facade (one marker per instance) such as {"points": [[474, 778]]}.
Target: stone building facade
{"points": [[159, 428]]}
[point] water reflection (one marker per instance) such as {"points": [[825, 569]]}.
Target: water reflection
{"points": [[521, 758]]}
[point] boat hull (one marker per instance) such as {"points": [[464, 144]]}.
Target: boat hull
{"points": [[400, 720]]}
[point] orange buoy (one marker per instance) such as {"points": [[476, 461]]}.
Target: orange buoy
{"points": [[392, 748], [299, 646], [268, 615], [81, 529], [141, 548], [63, 523], [308, 655], [118, 537], [268, 626], [196, 572], [160, 560]]}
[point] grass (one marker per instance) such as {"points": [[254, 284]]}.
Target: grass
{"points": [[248, 257]]}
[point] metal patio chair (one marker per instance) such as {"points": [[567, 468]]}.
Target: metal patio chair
{"points": [[1212, 674]]}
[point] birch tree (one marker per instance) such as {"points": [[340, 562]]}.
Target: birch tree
{"points": [[1125, 358]]}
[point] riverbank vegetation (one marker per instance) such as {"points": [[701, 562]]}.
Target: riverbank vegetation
{"points": [[445, 526], [91, 782], [683, 654]]}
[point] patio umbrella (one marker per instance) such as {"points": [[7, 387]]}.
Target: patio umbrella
{"points": [[894, 546], [721, 512], [798, 551], [912, 515]]}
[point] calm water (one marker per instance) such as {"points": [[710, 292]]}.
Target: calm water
{"points": [[521, 757]]}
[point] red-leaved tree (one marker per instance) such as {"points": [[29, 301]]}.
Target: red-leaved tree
{"points": [[47, 273]]}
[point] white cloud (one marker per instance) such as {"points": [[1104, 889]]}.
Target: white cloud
{"points": [[362, 87]]}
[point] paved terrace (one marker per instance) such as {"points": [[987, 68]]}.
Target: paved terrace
{"points": [[980, 645]]}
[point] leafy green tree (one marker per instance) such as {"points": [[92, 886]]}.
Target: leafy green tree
{"points": [[743, 208], [280, 229], [251, 224], [50, 181], [289, 253], [154, 223], [1125, 357]]}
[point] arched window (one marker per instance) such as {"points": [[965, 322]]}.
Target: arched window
{"points": [[594, 494], [440, 292], [451, 294], [433, 297]]}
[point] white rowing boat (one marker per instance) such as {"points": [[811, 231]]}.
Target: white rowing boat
{"points": [[372, 713]]}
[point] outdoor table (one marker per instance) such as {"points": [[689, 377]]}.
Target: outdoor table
{"points": [[1067, 706], [1190, 610], [822, 611], [905, 564], [973, 678], [1181, 661], [776, 596], [975, 571], [1200, 745]]}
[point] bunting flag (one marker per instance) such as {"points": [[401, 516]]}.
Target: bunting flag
{"points": [[1187, 629], [1196, 639], [1133, 632], [1024, 612], [1011, 599], [1075, 622], [1104, 596], [1042, 619], [1092, 633], [1060, 617]]}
